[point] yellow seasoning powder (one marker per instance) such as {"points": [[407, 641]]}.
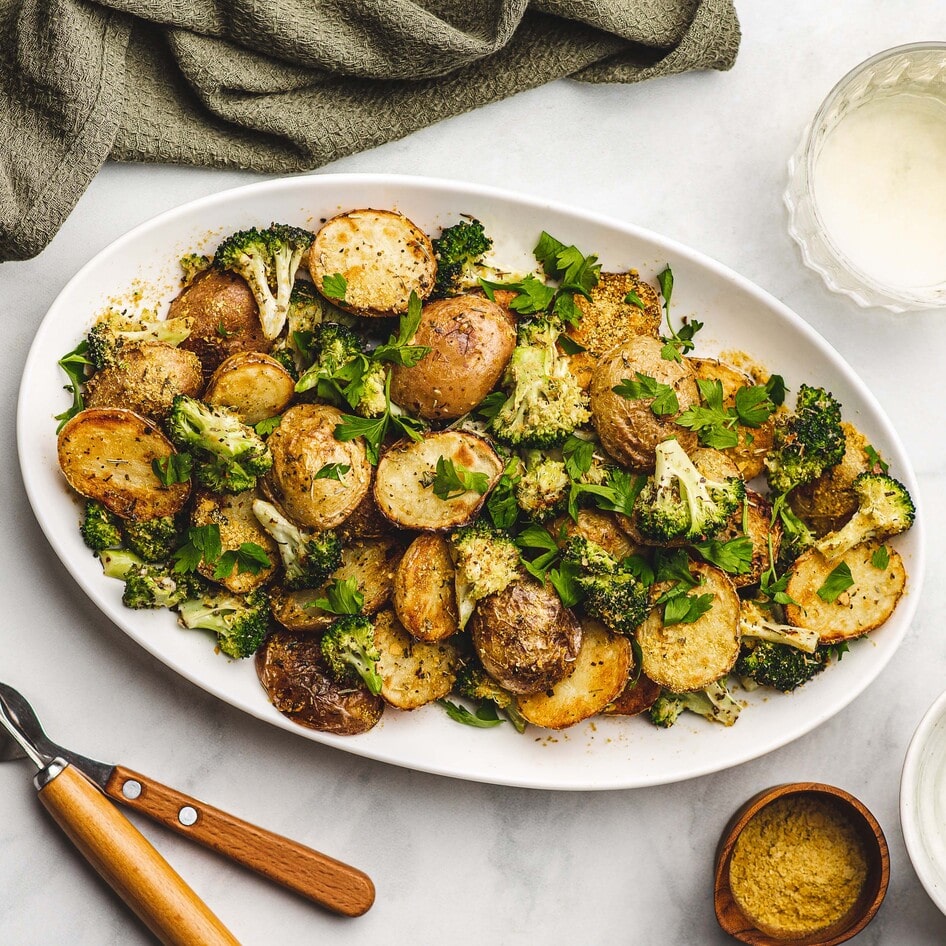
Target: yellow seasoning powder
{"points": [[797, 867]]}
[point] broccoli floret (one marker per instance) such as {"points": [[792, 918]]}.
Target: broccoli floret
{"points": [[755, 623], [807, 442], [350, 651], [155, 586], [476, 684], [112, 332], [715, 703], [229, 455], [459, 249], [267, 260], [239, 621], [884, 509], [192, 265], [153, 539], [545, 402], [781, 666], [542, 490], [486, 561], [796, 537], [679, 502], [307, 558], [118, 563], [100, 529]]}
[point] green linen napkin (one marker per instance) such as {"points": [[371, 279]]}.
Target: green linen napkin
{"points": [[288, 85]]}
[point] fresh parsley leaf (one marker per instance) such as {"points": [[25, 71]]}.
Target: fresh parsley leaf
{"points": [[222, 330], [265, 427], [334, 287], [332, 471], [875, 460], [665, 281], [664, 397], [485, 717], [836, 583], [536, 537], [569, 345], [564, 580], [617, 494], [249, 557], [640, 568], [490, 406], [685, 609], [677, 344], [578, 455], [574, 271], [452, 480], [753, 405], [733, 557], [881, 558], [341, 597], [203, 545], [501, 505], [74, 364], [398, 350], [632, 298], [674, 566], [775, 388], [174, 468]]}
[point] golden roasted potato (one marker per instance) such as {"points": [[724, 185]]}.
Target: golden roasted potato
{"points": [[470, 341], [253, 385], [413, 672], [597, 526], [302, 445], [526, 639], [628, 428], [403, 485], [382, 257], [233, 515], [684, 657], [106, 453], [638, 696], [145, 379], [366, 522], [294, 675], [754, 521], [424, 595], [860, 608], [225, 318], [597, 676]]}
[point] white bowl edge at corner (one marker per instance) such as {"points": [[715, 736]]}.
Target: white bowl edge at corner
{"points": [[923, 801]]}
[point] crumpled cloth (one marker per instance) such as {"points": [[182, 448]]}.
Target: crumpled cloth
{"points": [[289, 85]]}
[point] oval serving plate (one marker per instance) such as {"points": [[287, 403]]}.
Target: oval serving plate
{"points": [[605, 753]]}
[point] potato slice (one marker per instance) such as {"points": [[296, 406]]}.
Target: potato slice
{"points": [[106, 453], [637, 697], [755, 521], [684, 657], [371, 562], [599, 527], [403, 486], [863, 606], [413, 672], [233, 515], [292, 671], [424, 596], [382, 256], [598, 675], [251, 384]]}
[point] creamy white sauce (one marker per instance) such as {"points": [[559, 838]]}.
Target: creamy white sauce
{"points": [[880, 187]]}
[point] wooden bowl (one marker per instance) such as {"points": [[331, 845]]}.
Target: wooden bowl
{"points": [[731, 917]]}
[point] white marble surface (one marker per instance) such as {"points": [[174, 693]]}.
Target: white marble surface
{"points": [[700, 158]]}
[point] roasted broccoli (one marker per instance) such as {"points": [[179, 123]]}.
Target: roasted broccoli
{"points": [[474, 683], [117, 563], [459, 250], [679, 502], [487, 562], [239, 621], [267, 260], [781, 666], [715, 703], [192, 265], [307, 558], [229, 455], [350, 651], [100, 529], [796, 537], [756, 624], [545, 402], [156, 586], [884, 509], [542, 489], [113, 331], [153, 539], [807, 442]]}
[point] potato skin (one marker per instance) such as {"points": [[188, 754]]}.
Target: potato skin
{"points": [[251, 384], [424, 595], [470, 341], [637, 697], [602, 528], [292, 671], [525, 638], [629, 430]]}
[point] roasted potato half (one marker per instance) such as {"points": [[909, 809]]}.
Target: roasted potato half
{"points": [[685, 657], [598, 675], [382, 257], [526, 639], [628, 427], [106, 453], [225, 318], [860, 608], [301, 446], [293, 673], [637, 697], [413, 672], [424, 595], [470, 341], [403, 485], [597, 526], [145, 379], [754, 521], [251, 384], [233, 515]]}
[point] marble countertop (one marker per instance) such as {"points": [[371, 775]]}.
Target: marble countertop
{"points": [[700, 158]]}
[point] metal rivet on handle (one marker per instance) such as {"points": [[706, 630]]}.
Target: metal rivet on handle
{"points": [[187, 816], [131, 789]]}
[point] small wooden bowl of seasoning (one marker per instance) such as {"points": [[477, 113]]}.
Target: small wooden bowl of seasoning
{"points": [[803, 863]]}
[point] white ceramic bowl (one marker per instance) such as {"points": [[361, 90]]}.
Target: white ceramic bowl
{"points": [[923, 801]]}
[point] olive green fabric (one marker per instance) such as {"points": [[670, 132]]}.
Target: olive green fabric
{"points": [[290, 85]]}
